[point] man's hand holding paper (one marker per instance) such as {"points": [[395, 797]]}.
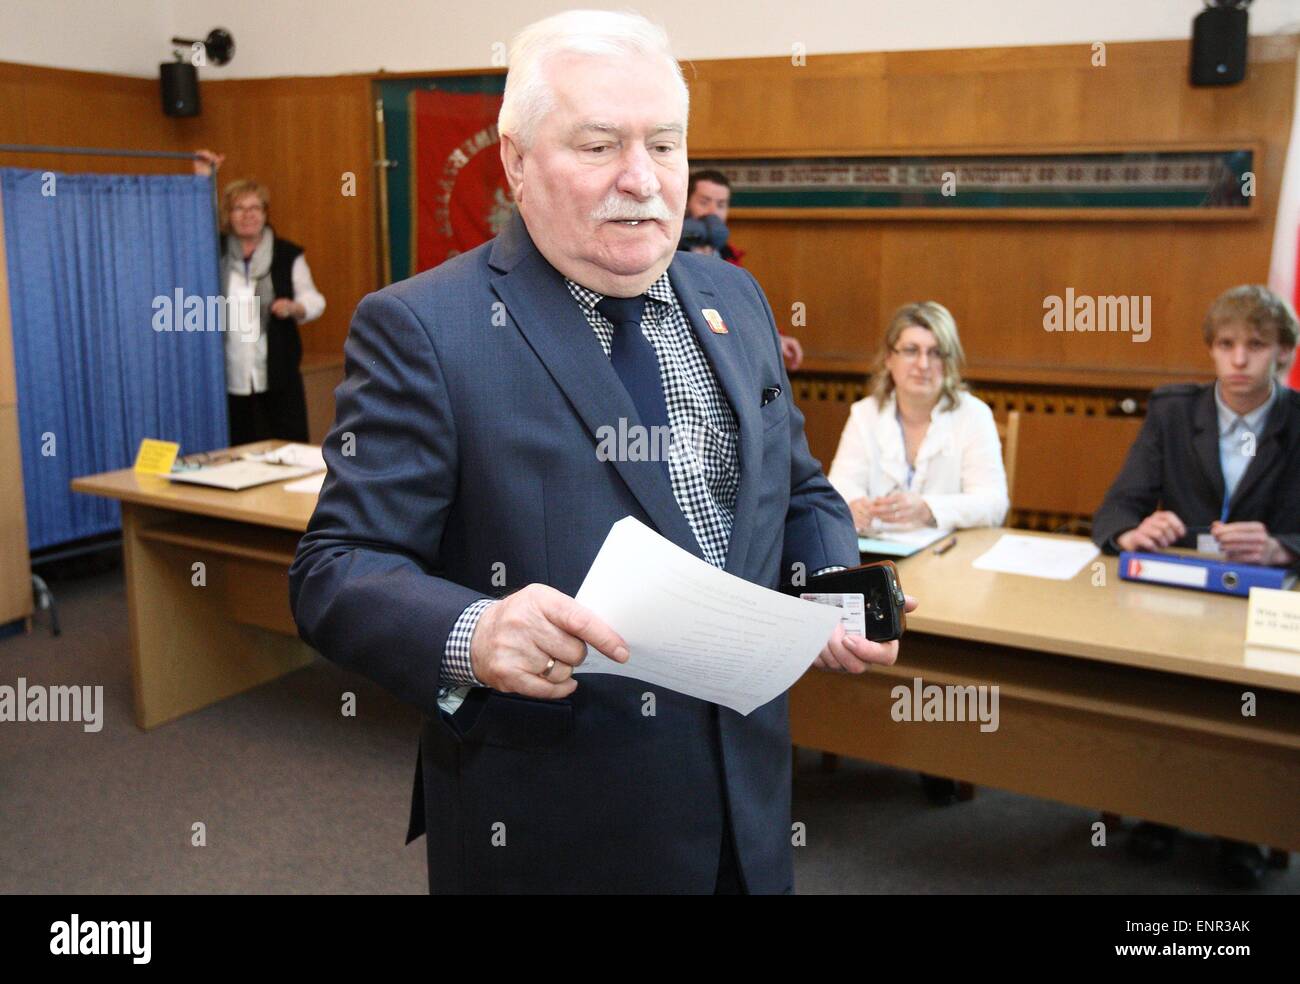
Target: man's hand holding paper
{"points": [[531, 642], [703, 632]]}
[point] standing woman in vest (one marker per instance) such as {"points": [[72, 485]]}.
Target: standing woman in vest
{"points": [[271, 293], [263, 384]]}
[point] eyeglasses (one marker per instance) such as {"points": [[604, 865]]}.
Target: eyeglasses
{"points": [[912, 353], [247, 208]]}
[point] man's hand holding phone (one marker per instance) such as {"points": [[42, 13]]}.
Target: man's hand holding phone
{"points": [[854, 654]]}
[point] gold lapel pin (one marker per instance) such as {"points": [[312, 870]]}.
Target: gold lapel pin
{"points": [[716, 324]]}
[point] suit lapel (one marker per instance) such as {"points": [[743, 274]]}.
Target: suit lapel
{"points": [[1205, 440], [695, 291], [1268, 450], [557, 331]]}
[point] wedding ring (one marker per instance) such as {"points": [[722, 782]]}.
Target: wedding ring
{"points": [[550, 665]]}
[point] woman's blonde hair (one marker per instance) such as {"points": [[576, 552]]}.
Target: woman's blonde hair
{"points": [[237, 190], [937, 318]]}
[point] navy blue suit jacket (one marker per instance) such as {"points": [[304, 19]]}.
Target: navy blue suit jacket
{"points": [[465, 438]]}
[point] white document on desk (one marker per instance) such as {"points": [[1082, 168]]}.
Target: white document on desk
{"points": [[1037, 556], [301, 455], [695, 629], [239, 475]]}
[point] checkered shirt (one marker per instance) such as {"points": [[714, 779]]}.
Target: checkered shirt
{"points": [[703, 466]]}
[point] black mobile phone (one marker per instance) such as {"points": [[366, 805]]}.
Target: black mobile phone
{"points": [[871, 596]]}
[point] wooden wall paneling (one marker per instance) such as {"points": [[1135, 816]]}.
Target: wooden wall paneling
{"points": [[1067, 462], [835, 276], [299, 136], [321, 375], [824, 400], [57, 107], [996, 274], [901, 101]]}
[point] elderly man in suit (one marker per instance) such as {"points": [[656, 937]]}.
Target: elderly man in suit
{"points": [[1221, 460], [466, 500]]}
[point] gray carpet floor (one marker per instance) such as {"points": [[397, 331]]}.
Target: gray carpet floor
{"points": [[296, 798]]}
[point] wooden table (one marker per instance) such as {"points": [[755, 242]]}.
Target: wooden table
{"points": [[1119, 696], [1114, 695], [193, 644]]}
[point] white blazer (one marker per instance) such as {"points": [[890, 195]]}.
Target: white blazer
{"points": [[959, 469]]}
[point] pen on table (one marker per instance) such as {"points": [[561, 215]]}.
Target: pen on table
{"points": [[203, 458], [944, 547]]}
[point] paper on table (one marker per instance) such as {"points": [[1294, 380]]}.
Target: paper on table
{"points": [[1037, 556], [239, 475], [311, 484], [696, 629], [303, 455]]}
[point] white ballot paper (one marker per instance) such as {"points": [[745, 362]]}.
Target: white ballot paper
{"points": [[696, 629], [1037, 556]]}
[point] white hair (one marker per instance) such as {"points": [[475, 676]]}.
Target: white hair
{"points": [[528, 97]]}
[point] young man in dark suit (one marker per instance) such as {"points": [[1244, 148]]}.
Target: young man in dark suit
{"points": [[1222, 459]]}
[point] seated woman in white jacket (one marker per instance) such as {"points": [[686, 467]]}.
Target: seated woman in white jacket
{"points": [[921, 450]]}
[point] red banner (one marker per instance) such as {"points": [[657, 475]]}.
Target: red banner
{"points": [[459, 188]]}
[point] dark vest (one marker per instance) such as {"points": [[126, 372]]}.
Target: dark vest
{"points": [[283, 343]]}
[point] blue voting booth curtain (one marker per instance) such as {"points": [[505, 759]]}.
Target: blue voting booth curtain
{"points": [[90, 255]]}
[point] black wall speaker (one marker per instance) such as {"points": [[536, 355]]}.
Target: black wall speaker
{"points": [[180, 88], [1219, 46]]}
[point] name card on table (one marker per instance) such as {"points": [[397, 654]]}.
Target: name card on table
{"points": [[156, 457], [1273, 619]]}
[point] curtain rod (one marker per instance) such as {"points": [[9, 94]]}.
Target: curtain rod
{"points": [[99, 152], [173, 155]]}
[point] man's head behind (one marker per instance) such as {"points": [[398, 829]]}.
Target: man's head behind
{"points": [[708, 193], [593, 139], [1251, 333]]}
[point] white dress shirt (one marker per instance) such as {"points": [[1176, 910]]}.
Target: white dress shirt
{"points": [[958, 468], [1235, 453], [245, 340]]}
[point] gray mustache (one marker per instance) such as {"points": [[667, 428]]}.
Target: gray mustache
{"points": [[657, 210]]}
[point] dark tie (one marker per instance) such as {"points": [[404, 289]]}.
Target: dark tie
{"points": [[634, 359]]}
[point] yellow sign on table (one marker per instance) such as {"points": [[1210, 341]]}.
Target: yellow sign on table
{"points": [[156, 457], [1274, 619]]}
